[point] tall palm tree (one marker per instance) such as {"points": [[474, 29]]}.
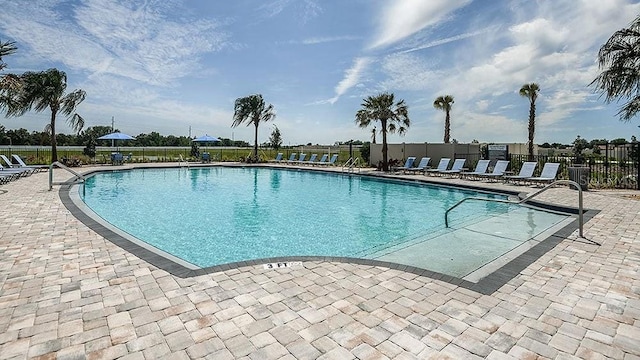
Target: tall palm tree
{"points": [[393, 116], [6, 48], [253, 110], [46, 89], [7, 81], [444, 103], [620, 59], [530, 91]]}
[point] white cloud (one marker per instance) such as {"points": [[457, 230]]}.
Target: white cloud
{"points": [[351, 77], [403, 18], [321, 40]]}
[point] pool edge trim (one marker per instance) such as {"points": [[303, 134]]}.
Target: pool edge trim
{"points": [[487, 285]]}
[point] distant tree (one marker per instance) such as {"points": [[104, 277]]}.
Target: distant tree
{"points": [[365, 151], [252, 110], [546, 146], [46, 90], [275, 140], [90, 148], [393, 116], [530, 91], [618, 141], [619, 60], [195, 151], [579, 144], [444, 103]]}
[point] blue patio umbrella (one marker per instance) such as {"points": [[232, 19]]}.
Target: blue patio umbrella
{"points": [[206, 138], [116, 136]]}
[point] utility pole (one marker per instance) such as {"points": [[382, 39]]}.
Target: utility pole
{"points": [[112, 122]]}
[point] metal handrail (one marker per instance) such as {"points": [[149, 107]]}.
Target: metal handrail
{"points": [[529, 197], [77, 176], [350, 164]]}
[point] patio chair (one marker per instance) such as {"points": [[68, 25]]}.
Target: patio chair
{"points": [[10, 165], [442, 165], [23, 164], [292, 158], [301, 159], [312, 159], [456, 168], [16, 172], [407, 164], [481, 168], [277, 159], [422, 165], [498, 170], [548, 175], [331, 161], [322, 160], [526, 171]]}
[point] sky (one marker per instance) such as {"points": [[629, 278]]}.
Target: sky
{"points": [[177, 66]]}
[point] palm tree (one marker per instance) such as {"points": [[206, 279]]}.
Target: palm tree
{"points": [[530, 91], [252, 109], [42, 90], [444, 103], [7, 81], [6, 48], [620, 59], [393, 116]]}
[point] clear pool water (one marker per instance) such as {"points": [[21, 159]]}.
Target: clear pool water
{"points": [[218, 215]]}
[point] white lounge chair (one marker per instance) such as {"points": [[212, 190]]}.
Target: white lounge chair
{"points": [[526, 171], [300, 159], [481, 168], [331, 161], [498, 170], [312, 159], [422, 165], [456, 168], [23, 164], [442, 166], [548, 175], [292, 158], [277, 159], [322, 160], [407, 164]]}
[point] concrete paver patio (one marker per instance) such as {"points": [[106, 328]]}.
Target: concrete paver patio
{"points": [[68, 293]]}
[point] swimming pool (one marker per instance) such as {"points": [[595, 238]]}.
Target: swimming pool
{"points": [[218, 215]]}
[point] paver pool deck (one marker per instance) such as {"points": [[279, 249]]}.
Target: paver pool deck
{"points": [[68, 293]]}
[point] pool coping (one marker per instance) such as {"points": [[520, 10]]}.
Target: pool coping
{"points": [[487, 285]]}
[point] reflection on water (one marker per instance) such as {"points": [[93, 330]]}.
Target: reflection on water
{"points": [[217, 215]]}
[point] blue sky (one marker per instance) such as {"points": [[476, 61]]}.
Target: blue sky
{"points": [[167, 65]]}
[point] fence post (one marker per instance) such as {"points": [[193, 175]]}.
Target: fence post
{"points": [[636, 149]]}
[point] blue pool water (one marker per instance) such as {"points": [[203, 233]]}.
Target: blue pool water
{"points": [[217, 215]]}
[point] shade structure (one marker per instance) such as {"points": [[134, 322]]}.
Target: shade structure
{"points": [[116, 136], [206, 138]]}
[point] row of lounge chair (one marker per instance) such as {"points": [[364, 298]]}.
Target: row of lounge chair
{"points": [[301, 159], [548, 174], [10, 170]]}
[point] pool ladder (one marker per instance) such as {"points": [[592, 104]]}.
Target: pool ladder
{"points": [[351, 164], [529, 197], [77, 177]]}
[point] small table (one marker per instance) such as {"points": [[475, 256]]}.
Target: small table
{"points": [[116, 158]]}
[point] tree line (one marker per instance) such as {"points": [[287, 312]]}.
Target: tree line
{"points": [[85, 137]]}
